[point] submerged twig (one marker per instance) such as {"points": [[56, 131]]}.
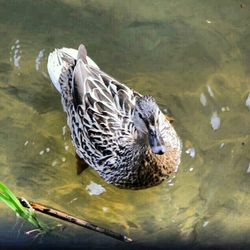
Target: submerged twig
{"points": [[69, 218]]}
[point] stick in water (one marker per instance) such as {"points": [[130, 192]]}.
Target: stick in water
{"points": [[69, 218]]}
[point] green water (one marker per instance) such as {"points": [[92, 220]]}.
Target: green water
{"points": [[192, 56]]}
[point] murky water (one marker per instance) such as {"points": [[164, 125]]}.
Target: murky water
{"points": [[192, 56]]}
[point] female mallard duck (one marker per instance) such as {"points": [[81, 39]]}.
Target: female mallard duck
{"points": [[121, 134]]}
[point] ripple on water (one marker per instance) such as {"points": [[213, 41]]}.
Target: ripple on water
{"points": [[203, 99], [248, 101], [191, 152], [39, 59], [248, 169], [215, 121], [15, 54]]}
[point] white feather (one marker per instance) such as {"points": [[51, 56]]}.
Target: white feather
{"points": [[55, 64]]}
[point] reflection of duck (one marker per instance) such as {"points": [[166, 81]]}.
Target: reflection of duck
{"points": [[123, 135]]}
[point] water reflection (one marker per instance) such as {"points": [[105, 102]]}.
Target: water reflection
{"points": [[215, 121], [248, 101], [39, 58], [15, 54]]}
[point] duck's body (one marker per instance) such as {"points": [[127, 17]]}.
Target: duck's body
{"points": [[103, 116]]}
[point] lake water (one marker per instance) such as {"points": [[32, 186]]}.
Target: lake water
{"points": [[193, 57]]}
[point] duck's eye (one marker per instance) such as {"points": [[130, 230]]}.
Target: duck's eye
{"points": [[140, 115]]}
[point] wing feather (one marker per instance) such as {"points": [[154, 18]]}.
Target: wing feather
{"points": [[101, 116]]}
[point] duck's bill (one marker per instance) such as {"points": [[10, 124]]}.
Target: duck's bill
{"points": [[156, 143]]}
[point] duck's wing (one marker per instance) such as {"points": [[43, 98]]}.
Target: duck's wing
{"points": [[91, 81], [104, 109]]}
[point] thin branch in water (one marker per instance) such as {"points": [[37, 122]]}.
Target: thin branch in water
{"points": [[74, 220]]}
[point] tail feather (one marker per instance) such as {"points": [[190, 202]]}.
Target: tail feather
{"points": [[56, 63]]}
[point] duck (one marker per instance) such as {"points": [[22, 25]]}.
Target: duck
{"points": [[120, 133]]}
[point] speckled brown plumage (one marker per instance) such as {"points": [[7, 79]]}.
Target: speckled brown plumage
{"points": [[121, 134]]}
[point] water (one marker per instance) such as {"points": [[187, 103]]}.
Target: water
{"points": [[193, 57]]}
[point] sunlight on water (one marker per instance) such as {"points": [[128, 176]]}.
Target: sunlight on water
{"points": [[192, 56], [215, 121]]}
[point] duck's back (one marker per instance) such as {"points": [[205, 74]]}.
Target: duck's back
{"points": [[99, 109]]}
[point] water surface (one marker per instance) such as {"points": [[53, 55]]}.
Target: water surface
{"points": [[192, 56]]}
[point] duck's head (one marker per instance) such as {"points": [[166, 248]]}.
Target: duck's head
{"points": [[146, 120]]}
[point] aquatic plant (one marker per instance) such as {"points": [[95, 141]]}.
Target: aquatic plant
{"points": [[26, 210], [27, 214]]}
